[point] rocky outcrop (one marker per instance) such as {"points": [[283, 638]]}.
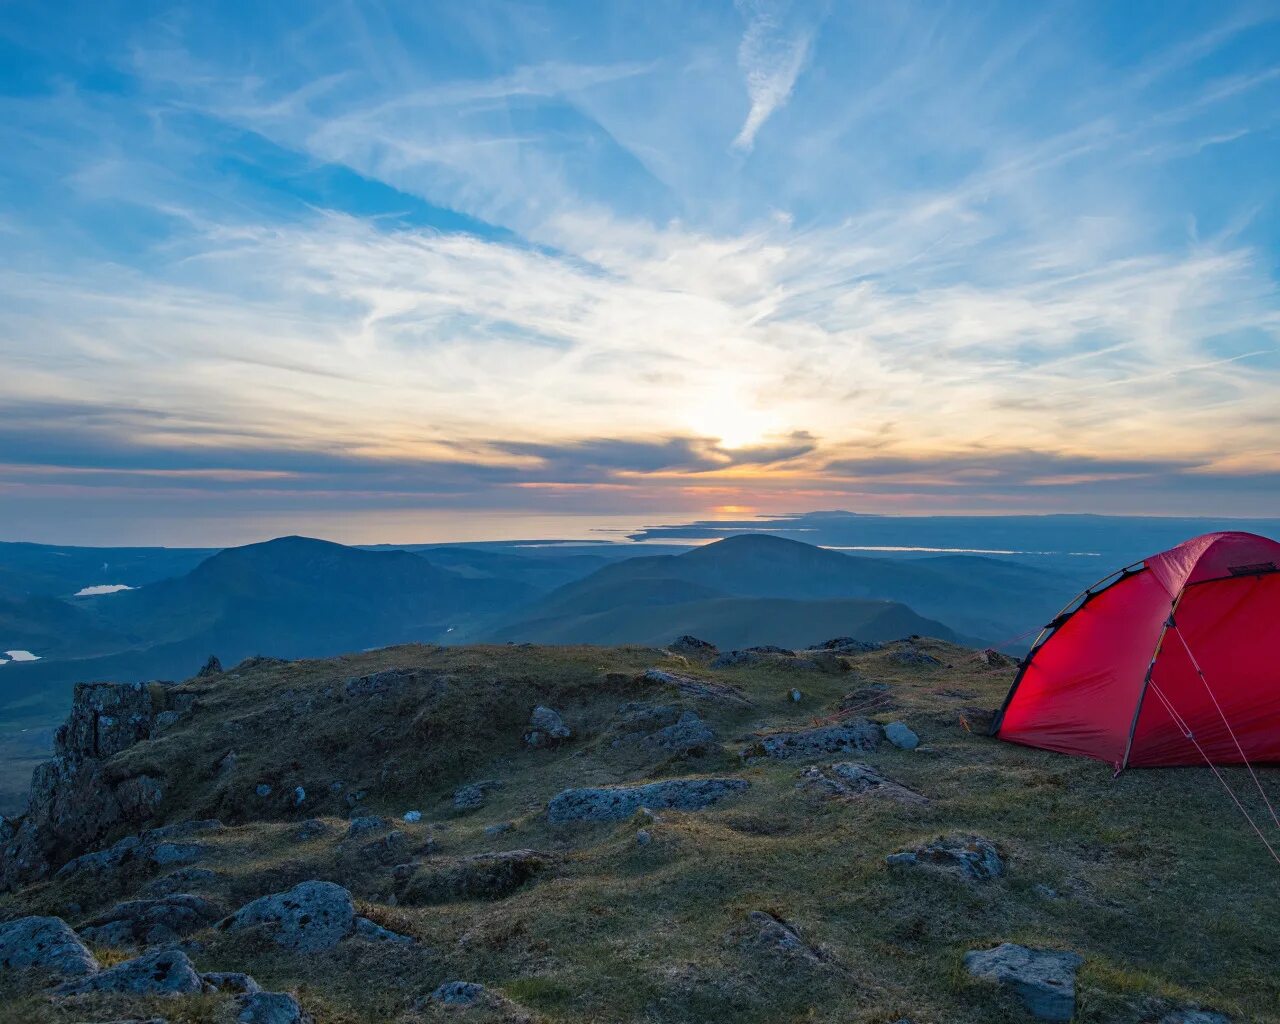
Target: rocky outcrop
{"points": [[857, 734], [45, 949], [310, 917], [691, 647], [371, 931], [848, 779], [969, 857], [472, 796], [74, 799], [688, 734], [1043, 979], [480, 876], [230, 981], [546, 728], [151, 922], [704, 689], [763, 933], [212, 667], [164, 972], [848, 645], [270, 1008], [458, 993], [614, 803]]}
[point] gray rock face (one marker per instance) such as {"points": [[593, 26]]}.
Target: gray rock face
{"points": [[854, 779], [459, 993], [482, 876], [178, 881], [150, 922], [370, 931], [688, 734], [614, 803], [271, 1008], [901, 736], [105, 719], [1043, 979], [231, 981], [212, 667], [309, 917], [164, 972], [473, 796], [910, 655], [163, 854], [44, 947], [365, 826], [546, 728], [855, 735], [970, 857]]}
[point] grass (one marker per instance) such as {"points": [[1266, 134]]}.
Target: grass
{"points": [[1160, 886]]}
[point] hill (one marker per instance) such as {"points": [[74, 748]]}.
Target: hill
{"points": [[981, 597], [455, 865]]}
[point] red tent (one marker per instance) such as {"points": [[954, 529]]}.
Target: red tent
{"points": [[1172, 660]]}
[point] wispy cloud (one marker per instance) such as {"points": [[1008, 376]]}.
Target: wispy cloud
{"points": [[771, 55]]}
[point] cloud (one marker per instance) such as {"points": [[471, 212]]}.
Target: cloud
{"points": [[771, 55]]}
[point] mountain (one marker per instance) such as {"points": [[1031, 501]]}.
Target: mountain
{"points": [[982, 597]]}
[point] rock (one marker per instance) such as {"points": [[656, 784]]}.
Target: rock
{"points": [[473, 796], [164, 972], [263, 789], [970, 857], [372, 932], [105, 719], [900, 736], [271, 1008], [388, 849], [1194, 1016], [151, 922], [848, 645], [212, 667], [163, 721], [795, 696], [231, 981], [644, 837], [312, 828], [691, 647], [1044, 891], [773, 657], [364, 826], [498, 828], [177, 853], [458, 993], [44, 947], [226, 764], [766, 934], [994, 659], [702, 688], [412, 817], [259, 661], [299, 796], [614, 803], [855, 735], [1044, 980], [912, 656], [100, 861], [177, 881], [546, 728], [853, 779], [482, 875], [689, 734], [385, 683], [311, 916]]}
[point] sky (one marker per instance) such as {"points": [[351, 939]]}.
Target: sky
{"points": [[400, 271]]}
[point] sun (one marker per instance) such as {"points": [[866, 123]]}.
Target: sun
{"points": [[724, 416]]}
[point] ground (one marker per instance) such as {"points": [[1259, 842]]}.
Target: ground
{"points": [[1152, 877]]}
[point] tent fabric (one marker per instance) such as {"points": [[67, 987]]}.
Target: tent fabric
{"points": [[1103, 677]]}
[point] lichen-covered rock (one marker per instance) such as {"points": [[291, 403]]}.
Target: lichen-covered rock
{"points": [[164, 972], [105, 719], [688, 734], [614, 803], [365, 826], [179, 881], [546, 728], [853, 779], [1043, 979], [473, 795], [970, 857], [480, 876], [901, 736], [151, 922], [311, 916], [271, 1008], [857, 734], [45, 948]]}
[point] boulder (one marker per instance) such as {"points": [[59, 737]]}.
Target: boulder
{"points": [[311, 916], [388, 682], [163, 854], [701, 688], [688, 734], [614, 803], [773, 657], [847, 779], [691, 647], [901, 736], [969, 857], [459, 993], [164, 972], [481, 875], [270, 1008], [848, 645], [259, 661], [45, 948], [912, 656], [151, 922], [764, 933], [177, 881], [231, 981], [212, 667], [364, 826], [371, 931], [1194, 1016], [472, 796], [857, 734], [1043, 979], [546, 728], [312, 828]]}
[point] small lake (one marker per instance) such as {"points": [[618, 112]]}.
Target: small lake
{"points": [[18, 656], [101, 588]]}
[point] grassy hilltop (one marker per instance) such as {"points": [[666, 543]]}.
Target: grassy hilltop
{"points": [[1152, 878]]}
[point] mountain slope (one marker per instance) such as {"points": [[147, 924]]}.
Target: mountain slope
{"points": [[982, 597]]}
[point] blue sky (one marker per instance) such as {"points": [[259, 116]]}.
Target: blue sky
{"points": [[353, 264]]}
